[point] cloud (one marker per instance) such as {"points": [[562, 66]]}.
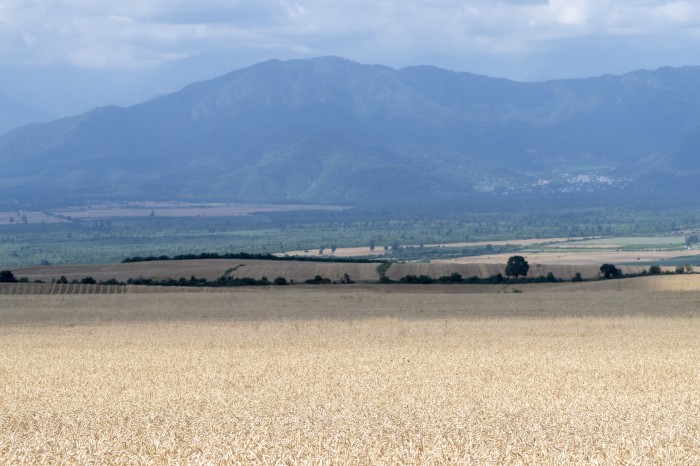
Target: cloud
{"points": [[524, 2], [130, 33]]}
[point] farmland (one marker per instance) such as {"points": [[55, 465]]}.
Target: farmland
{"points": [[111, 211], [293, 271], [107, 233], [353, 375], [564, 258]]}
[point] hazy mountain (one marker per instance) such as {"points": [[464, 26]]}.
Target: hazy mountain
{"points": [[333, 130], [172, 76], [13, 115], [61, 90]]}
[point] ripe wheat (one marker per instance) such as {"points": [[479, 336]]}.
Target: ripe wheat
{"points": [[426, 386]]}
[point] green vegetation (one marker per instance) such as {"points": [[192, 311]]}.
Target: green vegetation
{"points": [[200, 282], [318, 280], [110, 240], [457, 279], [382, 269], [517, 266], [610, 271], [245, 255], [6, 276]]}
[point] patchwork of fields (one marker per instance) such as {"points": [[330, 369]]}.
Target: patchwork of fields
{"points": [[298, 271], [347, 375]]}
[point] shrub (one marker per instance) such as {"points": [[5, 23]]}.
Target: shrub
{"points": [[111, 281], [280, 281], [318, 280], [420, 279], [452, 278], [6, 276], [610, 271]]}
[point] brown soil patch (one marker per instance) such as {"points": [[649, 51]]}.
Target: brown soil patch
{"points": [[210, 269]]}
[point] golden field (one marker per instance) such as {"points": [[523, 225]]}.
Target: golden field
{"points": [[352, 375]]}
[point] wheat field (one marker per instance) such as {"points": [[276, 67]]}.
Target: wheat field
{"points": [[351, 376]]}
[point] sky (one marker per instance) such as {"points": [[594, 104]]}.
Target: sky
{"points": [[517, 39]]}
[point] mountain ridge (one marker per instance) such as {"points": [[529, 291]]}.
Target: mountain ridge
{"points": [[330, 129]]}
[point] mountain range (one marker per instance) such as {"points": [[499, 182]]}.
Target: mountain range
{"points": [[332, 130]]}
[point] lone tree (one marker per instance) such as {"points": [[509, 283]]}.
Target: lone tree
{"points": [[610, 271], [516, 266]]}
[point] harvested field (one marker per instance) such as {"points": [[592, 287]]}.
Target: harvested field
{"points": [[438, 269], [352, 375], [297, 271], [578, 258], [685, 282], [300, 271], [21, 289], [210, 269]]}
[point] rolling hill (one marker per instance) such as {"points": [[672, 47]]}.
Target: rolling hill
{"points": [[332, 130]]}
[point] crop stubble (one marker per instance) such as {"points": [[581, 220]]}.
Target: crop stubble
{"points": [[343, 376]]}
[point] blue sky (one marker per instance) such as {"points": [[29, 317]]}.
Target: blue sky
{"points": [[518, 39]]}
